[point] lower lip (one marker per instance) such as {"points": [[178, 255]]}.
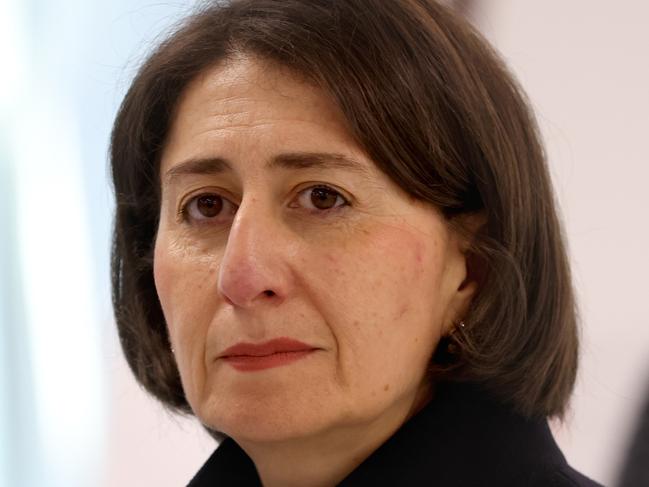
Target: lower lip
{"points": [[247, 363]]}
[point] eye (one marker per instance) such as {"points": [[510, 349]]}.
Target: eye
{"points": [[207, 206], [210, 207], [321, 199]]}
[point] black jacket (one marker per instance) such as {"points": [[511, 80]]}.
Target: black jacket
{"points": [[460, 438]]}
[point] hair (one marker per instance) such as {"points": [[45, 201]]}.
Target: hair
{"points": [[437, 111]]}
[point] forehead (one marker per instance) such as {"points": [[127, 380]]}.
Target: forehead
{"points": [[250, 106]]}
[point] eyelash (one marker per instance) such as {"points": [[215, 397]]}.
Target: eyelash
{"points": [[184, 212]]}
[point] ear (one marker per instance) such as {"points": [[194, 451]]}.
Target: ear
{"points": [[466, 269]]}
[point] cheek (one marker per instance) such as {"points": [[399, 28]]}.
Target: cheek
{"points": [[387, 271], [183, 279], [384, 291]]}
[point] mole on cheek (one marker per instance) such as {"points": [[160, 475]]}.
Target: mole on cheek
{"points": [[419, 252]]}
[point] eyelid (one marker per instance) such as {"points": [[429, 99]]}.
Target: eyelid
{"points": [[333, 189], [183, 210]]}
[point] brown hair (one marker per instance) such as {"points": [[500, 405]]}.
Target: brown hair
{"points": [[437, 111]]}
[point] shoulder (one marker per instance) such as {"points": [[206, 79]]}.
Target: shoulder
{"points": [[463, 438], [559, 475]]}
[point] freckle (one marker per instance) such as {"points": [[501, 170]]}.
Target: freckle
{"points": [[402, 311], [386, 387]]}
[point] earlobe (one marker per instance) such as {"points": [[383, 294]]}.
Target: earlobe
{"points": [[465, 289], [462, 300]]}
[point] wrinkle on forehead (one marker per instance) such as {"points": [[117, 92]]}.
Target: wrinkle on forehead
{"points": [[249, 94]]}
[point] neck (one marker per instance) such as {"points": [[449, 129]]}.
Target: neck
{"points": [[327, 458]]}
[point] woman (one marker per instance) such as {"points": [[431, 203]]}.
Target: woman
{"points": [[336, 244]]}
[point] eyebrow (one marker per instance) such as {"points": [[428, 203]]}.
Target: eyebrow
{"points": [[290, 160]]}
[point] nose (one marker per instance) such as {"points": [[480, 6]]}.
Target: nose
{"points": [[254, 265]]}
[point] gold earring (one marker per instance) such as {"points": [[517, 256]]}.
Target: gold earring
{"points": [[459, 326], [452, 347]]}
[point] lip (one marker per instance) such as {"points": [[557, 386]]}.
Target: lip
{"points": [[277, 345], [247, 357]]}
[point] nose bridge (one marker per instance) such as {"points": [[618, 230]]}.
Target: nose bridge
{"points": [[252, 267]]}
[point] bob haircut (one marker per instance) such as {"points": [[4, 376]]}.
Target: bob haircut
{"points": [[437, 111]]}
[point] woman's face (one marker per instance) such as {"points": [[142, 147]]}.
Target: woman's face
{"points": [[274, 223]]}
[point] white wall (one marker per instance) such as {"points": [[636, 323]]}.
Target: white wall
{"points": [[585, 66]]}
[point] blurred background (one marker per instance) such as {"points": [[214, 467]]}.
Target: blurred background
{"points": [[70, 412]]}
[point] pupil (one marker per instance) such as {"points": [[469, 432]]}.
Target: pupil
{"points": [[209, 206], [322, 198]]}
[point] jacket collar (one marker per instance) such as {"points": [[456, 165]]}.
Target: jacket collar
{"points": [[462, 425]]}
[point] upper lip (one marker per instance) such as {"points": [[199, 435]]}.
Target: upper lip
{"points": [[276, 345]]}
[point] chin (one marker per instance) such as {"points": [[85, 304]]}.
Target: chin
{"points": [[266, 420], [269, 429]]}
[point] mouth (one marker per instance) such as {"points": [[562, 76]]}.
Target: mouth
{"points": [[271, 347], [250, 357]]}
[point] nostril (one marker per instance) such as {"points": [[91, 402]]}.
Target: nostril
{"points": [[269, 293]]}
